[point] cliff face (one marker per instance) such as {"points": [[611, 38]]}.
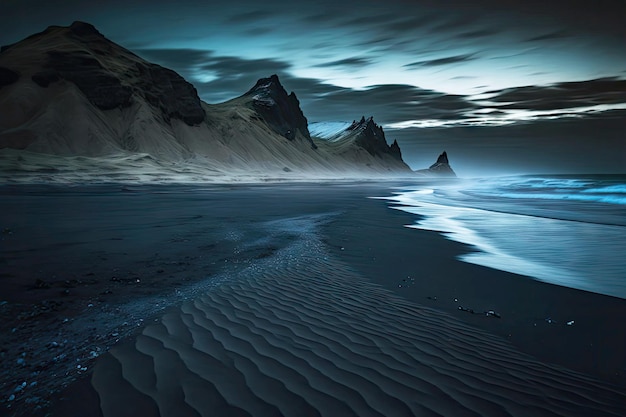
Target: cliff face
{"points": [[109, 75], [280, 111]]}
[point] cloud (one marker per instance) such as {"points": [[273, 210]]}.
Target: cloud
{"points": [[220, 78], [235, 67], [347, 62], [233, 76], [478, 33], [549, 36], [602, 91], [463, 77], [321, 101], [387, 103], [442, 61]]}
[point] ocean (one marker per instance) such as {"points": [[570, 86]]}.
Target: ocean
{"points": [[565, 230]]}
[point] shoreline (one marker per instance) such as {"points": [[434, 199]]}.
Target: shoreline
{"points": [[423, 267], [363, 233]]}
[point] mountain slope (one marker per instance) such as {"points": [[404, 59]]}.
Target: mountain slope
{"points": [[365, 136], [70, 92]]}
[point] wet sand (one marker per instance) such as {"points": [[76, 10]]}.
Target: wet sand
{"points": [[283, 300]]}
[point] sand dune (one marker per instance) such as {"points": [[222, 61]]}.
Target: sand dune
{"points": [[301, 334]]}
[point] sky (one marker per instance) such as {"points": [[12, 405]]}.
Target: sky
{"points": [[502, 85]]}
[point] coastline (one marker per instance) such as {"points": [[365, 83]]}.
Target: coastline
{"points": [[366, 236], [422, 266]]}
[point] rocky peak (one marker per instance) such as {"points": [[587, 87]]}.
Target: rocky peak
{"points": [[395, 151], [442, 159], [83, 29], [281, 111], [442, 167], [371, 137]]}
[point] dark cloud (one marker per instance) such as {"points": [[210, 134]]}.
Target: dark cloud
{"points": [[442, 61], [454, 24], [407, 24], [322, 101], [226, 67], [184, 61], [387, 103], [233, 76], [463, 77], [549, 36], [563, 95], [478, 33], [347, 62]]}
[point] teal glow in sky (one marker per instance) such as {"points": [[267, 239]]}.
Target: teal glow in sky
{"points": [[409, 63]]}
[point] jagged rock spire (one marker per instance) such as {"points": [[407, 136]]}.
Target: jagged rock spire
{"points": [[281, 111], [442, 159], [442, 167], [371, 137]]}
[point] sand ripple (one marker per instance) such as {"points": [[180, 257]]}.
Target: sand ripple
{"points": [[301, 334]]}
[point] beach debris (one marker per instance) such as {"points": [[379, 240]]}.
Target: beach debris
{"points": [[469, 310], [570, 323], [407, 282], [491, 313], [487, 313]]}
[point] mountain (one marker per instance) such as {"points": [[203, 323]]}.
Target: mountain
{"points": [[364, 134], [74, 104], [280, 111], [441, 168]]}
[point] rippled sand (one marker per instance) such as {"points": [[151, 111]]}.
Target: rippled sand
{"points": [[302, 334]]}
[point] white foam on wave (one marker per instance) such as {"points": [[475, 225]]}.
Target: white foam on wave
{"points": [[567, 253], [594, 195], [540, 188]]}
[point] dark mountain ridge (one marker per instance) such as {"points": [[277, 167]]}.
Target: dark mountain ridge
{"points": [[280, 111], [95, 98], [372, 138]]}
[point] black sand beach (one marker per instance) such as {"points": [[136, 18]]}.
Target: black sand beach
{"points": [[288, 299]]}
